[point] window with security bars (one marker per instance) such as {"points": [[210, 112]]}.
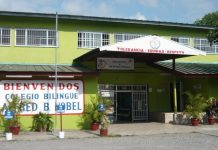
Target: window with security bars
{"points": [[204, 45], [182, 40], [35, 37], [5, 37], [120, 37], [92, 39]]}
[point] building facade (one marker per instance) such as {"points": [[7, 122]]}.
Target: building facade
{"points": [[30, 47]]}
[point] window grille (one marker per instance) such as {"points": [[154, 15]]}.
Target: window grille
{"points": [[182, 40], [120, 37], [204, 45], [92, 39], [35, 37], [5, 37]]}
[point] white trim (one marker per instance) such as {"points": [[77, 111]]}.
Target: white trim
{"points": [[40, 43], [67, 76], [203, 43], [90, 41], [2, 45], [135, 35], [18, 76]]}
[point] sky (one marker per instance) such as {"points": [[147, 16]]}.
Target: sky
{"points": [[181, 11]]}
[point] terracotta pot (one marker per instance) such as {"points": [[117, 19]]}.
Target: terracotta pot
{"points": [[195, 122], [211, 121], [95, 126], [103, 132], [41, 129], [15, 130]]}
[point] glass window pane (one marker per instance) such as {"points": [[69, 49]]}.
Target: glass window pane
{"points": [[204, 45], [5, 38]]}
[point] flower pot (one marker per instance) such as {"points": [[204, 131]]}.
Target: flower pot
{"points": [[95, 126], [195, 122], [103, 132], [15, 130], [40, 128], [211, 121]]}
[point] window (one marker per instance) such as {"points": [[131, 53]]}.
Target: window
{"points": [[35, 37], [5, 37], [183, 40], [204, 45], [92, 39], [123, 37]]}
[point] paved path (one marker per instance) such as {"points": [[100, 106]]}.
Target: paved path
{"points": [[171, 141], [117, 130]]}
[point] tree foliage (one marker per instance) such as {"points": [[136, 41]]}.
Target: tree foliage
{"points": [[196, 104], [210, 19]]}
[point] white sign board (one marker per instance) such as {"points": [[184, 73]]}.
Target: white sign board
{"points": [[115, 63], [42, 95]]}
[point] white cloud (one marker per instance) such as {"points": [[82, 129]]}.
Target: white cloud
{"points": [[86, 7], [123, 2], [73, 7], [104, 9], [196, 9], [156, 18], [149, 3], [139, 16], [26, 5]]}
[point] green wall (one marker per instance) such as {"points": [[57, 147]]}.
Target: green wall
{"points": [[143, 75], [197, 85], [68, 29], [213, 87]]}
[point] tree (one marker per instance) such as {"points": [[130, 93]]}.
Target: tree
{"points": [[210, 19]]}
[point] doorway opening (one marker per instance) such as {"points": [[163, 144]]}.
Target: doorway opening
{"points": [[129, 102]]}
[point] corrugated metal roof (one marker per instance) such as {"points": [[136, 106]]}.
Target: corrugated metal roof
{"points": [[103, 19], [191, 68], [42, 69]]}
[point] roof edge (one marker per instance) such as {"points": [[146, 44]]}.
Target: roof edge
{"points": [[103, 19]]}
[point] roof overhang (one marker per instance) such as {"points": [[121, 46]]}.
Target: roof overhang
{"points": [[25, 71], [144, 49], [189, 69]]}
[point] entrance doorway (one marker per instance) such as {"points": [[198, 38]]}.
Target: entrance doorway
{"points": [[130, 102], [124, 106]]}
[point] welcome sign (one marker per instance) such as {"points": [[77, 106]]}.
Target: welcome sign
{"points": [[115, 63], [43, 96]]}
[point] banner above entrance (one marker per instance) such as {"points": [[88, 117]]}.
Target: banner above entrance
{"points": [[152, 44], [144, 49]]}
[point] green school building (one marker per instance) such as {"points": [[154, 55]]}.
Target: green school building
{"points": [[140, 86]]}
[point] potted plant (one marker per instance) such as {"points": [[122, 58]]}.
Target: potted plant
{"points": [[196, 104], [42, 122], [104, 125], [14, 105], [211, 113], [92, 113]]}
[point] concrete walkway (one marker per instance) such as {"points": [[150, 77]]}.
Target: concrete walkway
{"points": [[130, 129]]}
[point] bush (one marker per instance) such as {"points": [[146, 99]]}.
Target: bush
{"points": [[42, 122]]}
